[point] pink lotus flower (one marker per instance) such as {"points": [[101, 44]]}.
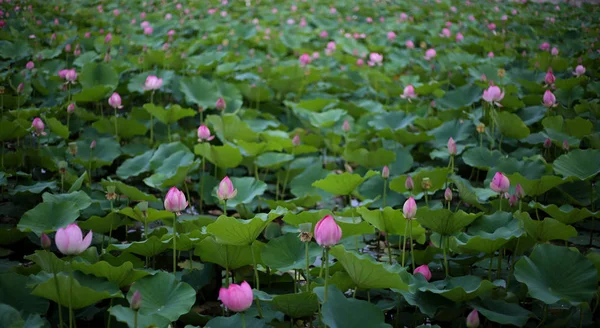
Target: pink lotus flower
{"points": [[459, 37], [70, 241], [30, 65], [519, 192], [136, 301], [305, 59], [410, 208], [168, 16], [148, 30], [237, 298], [93, 144], [430, 54], [493, 95], [220, 104], [448, 194], [226, 190], [409, 184], [391, 36], [376, 58], [315, 55], [410, 44], [360, 62], [545, 46], [547, 143], [20, 88], [491, 54], [153, 83], [116, 12], [175, 201], [71, 108], [491, 26], [45, 241], [39, 126], [451, 146], [296, 140], [473, 319], [500, 183], [331, 45], [323, 34], [385, 172], [446, 33], [579, 70], [346, 126], [549, 100], [108, 38], [513, 200], [327, 232], [408, 93], [565, 145], [549, 79], [204, 134], [87, 35], [424, 271], [554, 51], [144, 24], [115, 101]]}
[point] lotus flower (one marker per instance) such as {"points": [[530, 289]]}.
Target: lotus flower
{"points": [[430, 54], [69, 240], [500, 183], [423, 270], [39, 126], [385, 172], [115, 101], [550, 78], [296, 140], [305, 59], [45, 241], [410, 208], [204, 134], [30, 65], [493, 95], [175, 201], [451, 146], [220, 104], [136, 301], [448, 195], [459, 37], [410, 44], [519, 192], [391, 36], [473, 319], [375, 58], [71, 108], [153, 83], [579, 70], [554, 51], [409, 184], [549, 100], [226, 190], [409, 92], [327, 232], [237, 298]]}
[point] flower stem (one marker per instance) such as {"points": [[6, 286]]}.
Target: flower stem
{"points": [[404, 242], [202, 182], [389, 248], [326, 272], [116, 126], [135, 319], [71, 293], [90, 166], [175, 244], [412, 253], [226, 268], [152, 119], [307, 266], [243, 320], [256, 278], [444, 243], [60, 315]]}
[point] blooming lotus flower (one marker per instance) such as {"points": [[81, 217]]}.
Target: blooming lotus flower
{"points": [[175, 201], [327, 232], [69, 240], [409, 92], [491, 26], [423, 270], [550, 78], [204, 134], [451, 146], [153, 83], [500, 183], [226, 190], [549, 100], [491, 54], [493, 95], [410, 208], [430, 54], [448, 195], [237, 298], [30, 65], [391, 35], [459, 37], [148, 30], [410, 44], [376, 58], [473, 319], [331, 45], [39, 126], [579, 70], [409, 184], [115, 101], [545, 46], [305, 59]]}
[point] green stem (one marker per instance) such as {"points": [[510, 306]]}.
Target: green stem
{"points": [[384, 192], [443, 239], [500, 198], [116, 126], [60, 315], [412, 252], [135, 319], [202, 182], [593, 210], [490, 267], [389, 248], [90, 166], [152, 119], [191, 259], [287, 177], [62, 182], [352, 210], [71, 293], [307, 266], [499, 268], [243, 320], [68, 125], [109, 317], [175, 244], [226, 268], [322, 263], [404, 242], [254, 263], [426, 199], [326, 272]]}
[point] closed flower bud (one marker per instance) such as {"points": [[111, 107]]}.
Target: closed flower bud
{"points": [[93, 144], [136, 301], [547, 143], [346, 126], [175, 201], [385, 172], [410, 208], [409, 184], [220, 104], [226, 190], [45, 241], [296, 140], [473, 319], [565, 145], [519, 192], [448, 195], [500, 183], [237, 298], [71, 108], [423, 270], [327, 232], [451, 146], [115, 101]]}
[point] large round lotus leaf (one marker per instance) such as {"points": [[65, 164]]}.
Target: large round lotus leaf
{"points": [[80, 198], [288, 253], [14, 292], [131, 192], [471, 195], [459, 289], [127, 128], [582, 164], [235, 321], [231, 231], [152, 214], [10, 317], [135, 166], [106, 151], [566, 213], [391, 221], [94, 74], [481, 158], [272, 160], [502, 312], [546, 229], [511, 126], [127, 315], [342, 184], [150, 247], [555, 273], [55, 126], [490, 233], [169, 115], [163, 295], [296, 305], [536, 187], [341, 312], [122, 275], [436, 176], [49, 216], [445, 222], [233, 257], [366, 273], [231, 128], [370, 159], [87, 290], [225, 156], [104, 224]]}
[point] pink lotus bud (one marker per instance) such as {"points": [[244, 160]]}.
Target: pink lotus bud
{"points": [[71, 75], [410, 44], [69, 240], [296, 140], [491, 54], [547, 143], [493, 95], [519, 192], [93, 144], [331, 45], [71, 108], [376, 58], [226, 190], [549, 79], [204, 134], [500, 183], [579, 70], [136, 301], [39, 126], [45, 241], [220, 104], [148, 30], [491, 26], [87, 35], [346, 126], [175, 201], [153, 83], [554, 51], [385, 172], [116, 12], [142, 15], [305, 59], [360, 62], [473, 319], [168, 16], [315, 55], [549, 100], [30, 65], [446, 33], [408, 92], [237, 298], [391, 35], [513, 200], [409, 184], [448, 195], [423, 270], [108, 38], [565, 145], [327, 232], [451, 146], [430, 54], [68, 48], [410, 208], [20, 88], [459, 37], [115, 101], [545, 46]]}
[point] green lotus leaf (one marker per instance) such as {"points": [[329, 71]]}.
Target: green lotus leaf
{"points": [[94, 74], [481, 158], [236, 321], [349, 226], [296, 305], [49, 216], [135, 166], [128, 128], [225, 156], [370, 159], [578, 163], [14, 292], [123, 275], [131, 192], [436, 176], [150, 247], [566, 214], [287, 253], [231, 231], [127, 315], [227, 256], [459, 289], [547, 229], [340, 312], [490, 233], [538, 186], [57, 127], [511, 125], [502, 312], [342, 184], [445, 222], [274, 161], [390, 221]]}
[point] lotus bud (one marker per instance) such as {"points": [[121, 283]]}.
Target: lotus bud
{"points": [[93, 144], [473, 319], [115, 101], [385, 172], [549, 100], [448, 195], [226, 190], [136, 301], [410, 208], [500, 183], [519, 192], [426, 183], [550, 78], [423, 270], [39, 126], [175, 201], [220, 105], [237, 298], [513, 200], [69, 240], [30, 65], [547, 143], [565, 145], [45, 241], [204, 134], [346, 126], [327, 232], [71, 108], [409, 183], [296, 140], [451, 147]]}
